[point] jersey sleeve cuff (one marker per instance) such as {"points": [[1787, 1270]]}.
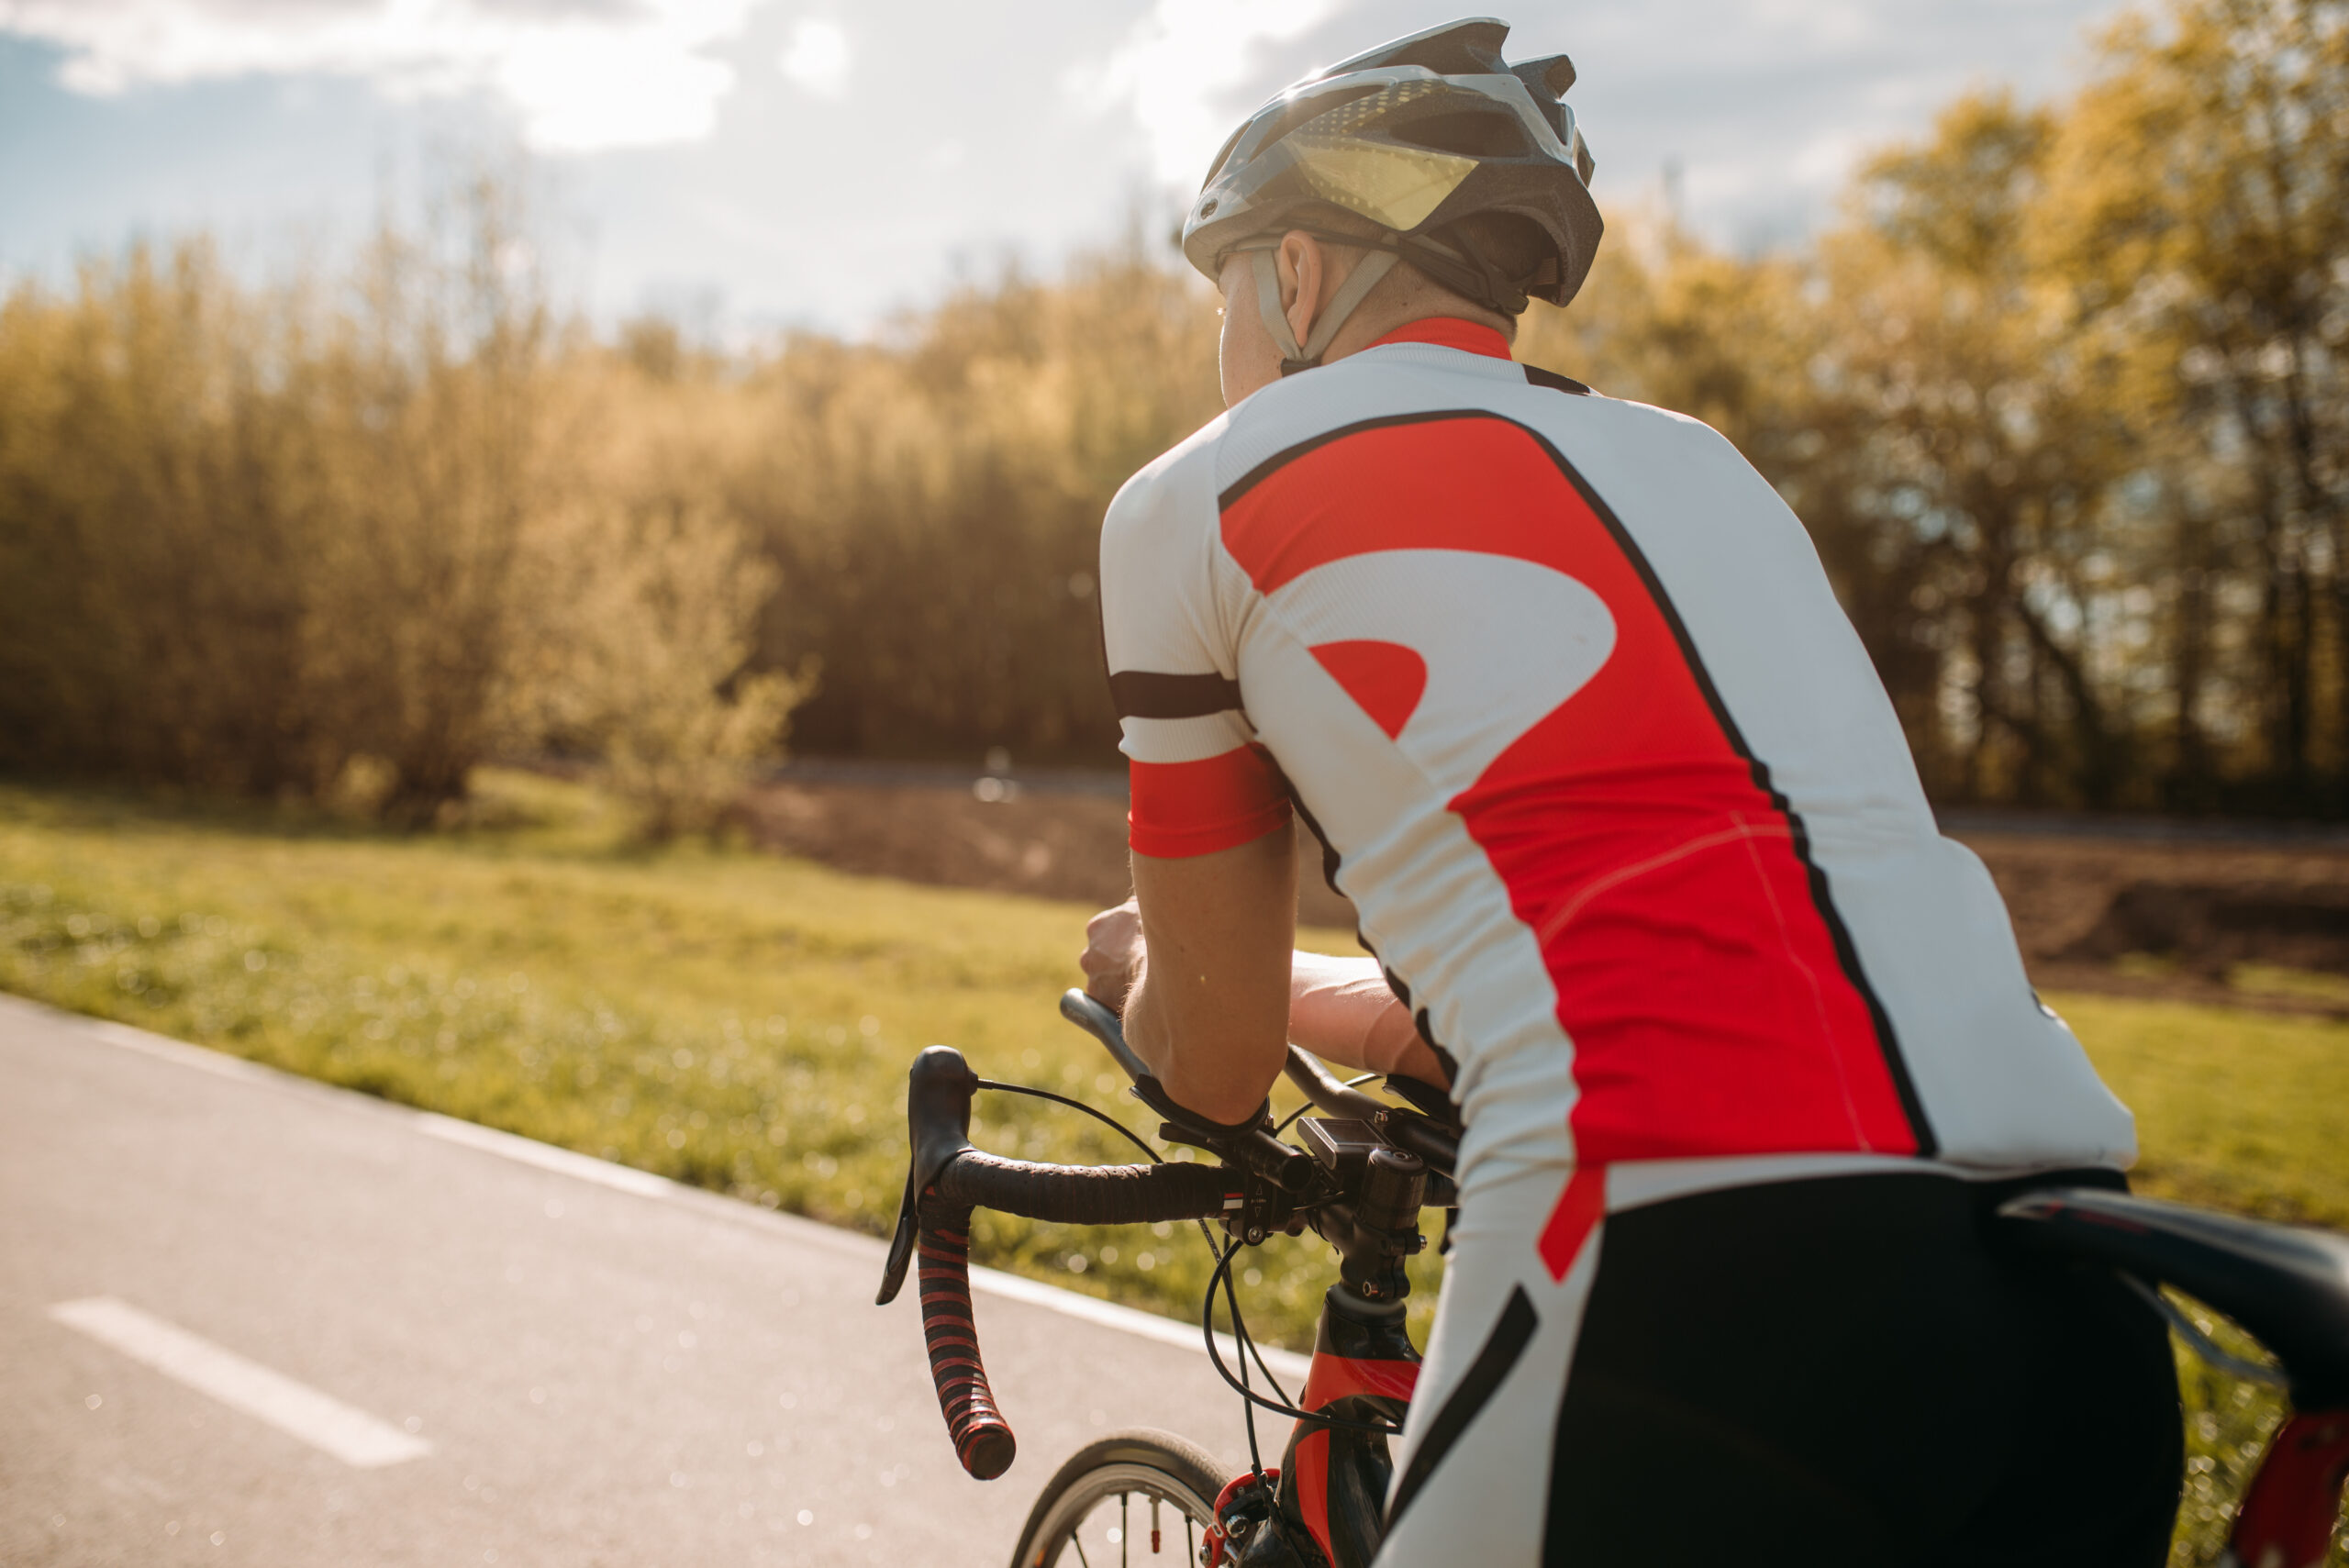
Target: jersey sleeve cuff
{"points": [[1182, 809]]}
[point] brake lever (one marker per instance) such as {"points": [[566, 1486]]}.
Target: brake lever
{"points": [[938, 1115]]}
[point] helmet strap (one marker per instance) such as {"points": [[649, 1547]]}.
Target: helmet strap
{"points": [[1357, 288]]}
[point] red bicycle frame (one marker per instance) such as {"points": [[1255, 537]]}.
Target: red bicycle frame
{"points": [[1326, 1500]]}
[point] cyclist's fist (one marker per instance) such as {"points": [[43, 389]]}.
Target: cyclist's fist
{"points": [[1112, 958]]}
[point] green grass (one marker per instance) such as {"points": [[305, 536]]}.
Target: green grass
{"points": [[743, 1023], [2240, 1110], [720, 1016]]}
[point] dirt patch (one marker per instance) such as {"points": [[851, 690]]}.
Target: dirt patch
{"points": [[1048, 844], [2081, 903], [2212, 929]]}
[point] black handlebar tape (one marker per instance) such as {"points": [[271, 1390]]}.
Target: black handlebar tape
{"points": [[982, 1438], [1085, 1195], [1100, 1194]]}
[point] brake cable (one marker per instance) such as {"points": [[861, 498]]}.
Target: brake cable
{"points": [[1242, 1340], [1131, 1135], [1240, 1334]]}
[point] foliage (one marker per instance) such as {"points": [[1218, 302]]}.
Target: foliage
{"points": [[2062, 399], [2199, 217], [346, 543], [935, 503], [744, 1024], [2064, 403]]}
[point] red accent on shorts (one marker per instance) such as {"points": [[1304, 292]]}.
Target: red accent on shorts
{"points": [[1387, 678], [1181, 810], [1449, 332], [1696, 975], [1580, 1208]]}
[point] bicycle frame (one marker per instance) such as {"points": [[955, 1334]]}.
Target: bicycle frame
{"points": [[1330, 1486]]}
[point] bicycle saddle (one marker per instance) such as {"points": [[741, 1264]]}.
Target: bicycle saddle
{"points": [[2287, 1286]]}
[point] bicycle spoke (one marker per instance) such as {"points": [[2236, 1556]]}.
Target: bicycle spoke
{"points": [[1125, 1528]]}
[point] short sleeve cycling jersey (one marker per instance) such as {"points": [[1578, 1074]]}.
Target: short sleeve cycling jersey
{"points": [[1615, 790]]}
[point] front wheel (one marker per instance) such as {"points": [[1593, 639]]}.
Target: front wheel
{"points": [[1126, 1499]]}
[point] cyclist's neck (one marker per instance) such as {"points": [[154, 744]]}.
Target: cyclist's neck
{"points": [[1446, 332]]}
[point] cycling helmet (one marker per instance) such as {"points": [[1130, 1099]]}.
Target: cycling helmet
{"points": [[1415, 136]]}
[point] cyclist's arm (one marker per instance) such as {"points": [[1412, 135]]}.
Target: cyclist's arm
{"points": [[1208, 1009], [1341, 1010]]}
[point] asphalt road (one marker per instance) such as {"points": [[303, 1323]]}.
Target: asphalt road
{"points": [[465, 1348]]}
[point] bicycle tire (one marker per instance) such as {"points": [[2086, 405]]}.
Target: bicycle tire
{"points": [[1153, 1463]]}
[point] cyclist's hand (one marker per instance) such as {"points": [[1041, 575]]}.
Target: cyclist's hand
{"points": [[1112, 958]]}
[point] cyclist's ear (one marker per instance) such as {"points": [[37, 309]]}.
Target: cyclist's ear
{"points": [[1302, 265]]}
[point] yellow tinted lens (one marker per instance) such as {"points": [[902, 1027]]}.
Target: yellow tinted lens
{"points": [[1395, 187]]}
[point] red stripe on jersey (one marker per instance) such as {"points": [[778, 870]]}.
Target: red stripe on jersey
{"points": [[1696, 973], [1182, 809], [1442, 483], [1449, 332]]}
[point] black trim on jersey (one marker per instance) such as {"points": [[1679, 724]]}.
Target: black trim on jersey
{"points": [[1147, 694], [1330, 862], [1536, 376], [1331, 865], [1280, 459], [1511, 1335], [1821, 896]]}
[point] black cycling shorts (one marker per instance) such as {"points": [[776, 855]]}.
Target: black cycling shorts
{"points": [[1836, 1370]]}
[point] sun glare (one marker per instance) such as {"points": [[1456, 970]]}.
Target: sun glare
{"points": [[1178, 66], [610, 76], [817, 58]]}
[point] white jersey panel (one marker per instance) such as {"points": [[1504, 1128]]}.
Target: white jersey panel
{"points": [[2004, 1082]]}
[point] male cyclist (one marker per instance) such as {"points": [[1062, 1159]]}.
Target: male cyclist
{"points": [[1744, 1047]]}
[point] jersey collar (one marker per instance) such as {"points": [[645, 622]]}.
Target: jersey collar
{"points": [[1449, 332]]}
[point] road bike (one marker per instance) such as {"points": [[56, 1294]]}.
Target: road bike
{"points": [[1359, 1175]]}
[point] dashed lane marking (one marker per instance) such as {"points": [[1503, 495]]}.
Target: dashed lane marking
{"points": [[294, 1408]]}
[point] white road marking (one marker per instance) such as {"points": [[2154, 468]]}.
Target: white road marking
{"points": [[1109, 1315], [545, 1156], [217, 1064], [294, 1408]]}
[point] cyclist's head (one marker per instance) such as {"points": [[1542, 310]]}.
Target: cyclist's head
{"points": [[1429, 150]]}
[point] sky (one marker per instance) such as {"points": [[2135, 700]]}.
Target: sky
{"points": [[752, 164]]}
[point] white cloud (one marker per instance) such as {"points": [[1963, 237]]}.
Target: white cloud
{"points": [[1178, 65], [817, 57], [583, 75]]}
